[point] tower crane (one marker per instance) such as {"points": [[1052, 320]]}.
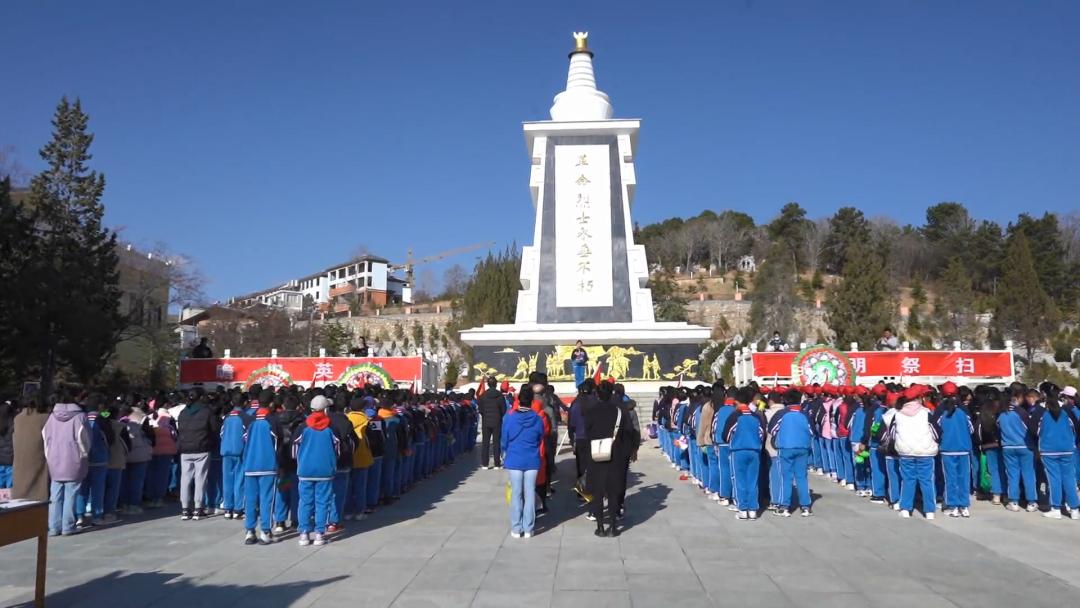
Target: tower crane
{"points": [[410, 262]]}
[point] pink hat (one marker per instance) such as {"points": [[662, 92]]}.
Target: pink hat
{"points": [[1069, 391]]}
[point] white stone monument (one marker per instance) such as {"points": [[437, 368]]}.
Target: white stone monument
{"points": [[584, 278]]}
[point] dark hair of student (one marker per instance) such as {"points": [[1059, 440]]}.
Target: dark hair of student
{"points": [[525, 396], [1053, 405], [605, 391]]}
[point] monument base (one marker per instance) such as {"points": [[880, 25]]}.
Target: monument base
{"points": [[633, 353]]}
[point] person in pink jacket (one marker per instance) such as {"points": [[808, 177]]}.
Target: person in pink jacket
{"points": [[164, 452], [67, 449], [828, 434]]}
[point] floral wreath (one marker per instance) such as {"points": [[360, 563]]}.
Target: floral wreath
{"points": [[823, 365], [270, 375], [356, 376]]}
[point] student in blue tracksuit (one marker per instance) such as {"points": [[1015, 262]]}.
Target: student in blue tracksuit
{"points": [[682, 425], [692, 452], [92, 490], [723, 450], [260, 474], [1017, 433], [792, 435], [1056, 432], [955, 451], [874, 428], [858, 441], [232, 453], [316, 449], [745, 433]]}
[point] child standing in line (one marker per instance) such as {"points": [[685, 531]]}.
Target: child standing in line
{"points": [[956, 432], [1057, 440], [232, 454], [260, 473], [316, 452], [92, 492], [361, 462], [746, 435]]}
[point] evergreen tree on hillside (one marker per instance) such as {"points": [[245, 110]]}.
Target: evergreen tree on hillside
{"points": [[774, 298], [862, 304], [954, 309], [490, 296], [77, 296], [1048, 254], [668, 303], [846, 226], [789, 229], [1024, 312]]}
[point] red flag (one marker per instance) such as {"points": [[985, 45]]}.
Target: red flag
{"points": [[596, 377]]}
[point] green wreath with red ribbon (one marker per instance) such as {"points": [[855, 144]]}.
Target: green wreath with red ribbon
{"points": [[823, 365]]}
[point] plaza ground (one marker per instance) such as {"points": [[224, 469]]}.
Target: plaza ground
{"points": [[447, 544]]}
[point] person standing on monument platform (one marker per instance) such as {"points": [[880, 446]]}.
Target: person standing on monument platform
{"points": [[580, 361], [492, 405]]}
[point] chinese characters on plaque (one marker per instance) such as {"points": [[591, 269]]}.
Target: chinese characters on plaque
{"points": [[582, 226]]}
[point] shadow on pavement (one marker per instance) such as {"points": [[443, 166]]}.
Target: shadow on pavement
{"points": [[119, 590]]}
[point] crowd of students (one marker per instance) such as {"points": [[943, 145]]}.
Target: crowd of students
{"points": [[890, 444], [278, 459]]}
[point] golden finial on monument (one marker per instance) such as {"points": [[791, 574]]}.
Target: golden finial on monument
{"points": [[581, 43]]}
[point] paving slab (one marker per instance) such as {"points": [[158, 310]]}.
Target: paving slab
{"points": [[447, 544]]}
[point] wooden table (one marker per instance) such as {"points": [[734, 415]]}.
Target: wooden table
{"points": [[25, 522]]}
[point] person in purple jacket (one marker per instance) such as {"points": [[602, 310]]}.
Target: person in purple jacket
{"points": [[67, 449]]}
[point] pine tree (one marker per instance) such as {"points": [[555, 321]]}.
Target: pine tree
{"points": [[846, 226], [774, 299], [668, 302], [17, 248], [954, 310], [861, 305], [1024, 311], [336, 338], [77, 295]]}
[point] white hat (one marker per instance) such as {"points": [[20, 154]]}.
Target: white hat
{"points": [[1069, 391], [319, 403]]}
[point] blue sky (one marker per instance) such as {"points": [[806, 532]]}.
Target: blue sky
{"points": [[270, 139]]}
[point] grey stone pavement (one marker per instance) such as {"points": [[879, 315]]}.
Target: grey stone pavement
{"points": [[447, 544]]}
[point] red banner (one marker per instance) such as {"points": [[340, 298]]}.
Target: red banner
{"points": [[302, 370], [960, 364]]}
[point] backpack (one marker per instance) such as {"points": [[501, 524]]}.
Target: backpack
{"points": [[887, 445]]}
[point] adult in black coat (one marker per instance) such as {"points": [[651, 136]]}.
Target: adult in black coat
{"points": [[604, 485], [492, 406]]}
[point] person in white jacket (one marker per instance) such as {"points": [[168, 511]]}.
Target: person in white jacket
{"points": [[916, 441]]}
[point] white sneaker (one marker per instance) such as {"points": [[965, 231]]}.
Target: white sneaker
{"points": [[753, 514], [590, 517], [304, 540], [965, 512], [515, 535], [1074, 513], [742, 515], [851, 486], [896, 506], [733, 507], [806, 512], [954, 512], [527, 535], [319, 541], [1032, 507], [930, 515], [723, 501], [905, 514], [1056, 514], [784, 513], [714, 496]]}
